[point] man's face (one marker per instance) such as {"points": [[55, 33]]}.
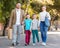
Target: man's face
{"points": [[18, 5], [43, 8]]}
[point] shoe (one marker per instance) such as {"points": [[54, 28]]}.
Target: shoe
{"points": [[13, 44], [17, 43], [33, 44], [38, 41], [26, 44], [44, 44]]}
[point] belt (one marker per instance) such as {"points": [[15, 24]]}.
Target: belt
{"points": [[42, 21]]}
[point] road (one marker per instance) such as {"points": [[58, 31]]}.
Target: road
{"points": [[53, 41]]}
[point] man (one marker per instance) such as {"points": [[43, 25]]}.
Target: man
{"points": [[15, 23], [43, 27]]}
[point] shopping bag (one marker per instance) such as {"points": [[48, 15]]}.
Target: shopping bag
{"points": [[47, 22], [10, 34]]}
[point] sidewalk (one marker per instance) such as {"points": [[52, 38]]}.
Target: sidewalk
{"points": [[53, 41]]}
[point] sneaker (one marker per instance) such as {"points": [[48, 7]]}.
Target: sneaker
{"points": [[26, 44], [13, 44], [33, 44], [44, 44], [17, 43], [38, 41]]}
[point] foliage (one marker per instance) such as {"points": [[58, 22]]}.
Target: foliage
{"points": [[30, 6]]}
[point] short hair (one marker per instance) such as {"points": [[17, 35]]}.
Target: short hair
{"points": [[27, 14], [44, 6], [19, 3], [33, 14]]}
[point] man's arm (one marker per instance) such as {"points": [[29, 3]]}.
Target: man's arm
{"points": [[23, 14], [10, 20]]}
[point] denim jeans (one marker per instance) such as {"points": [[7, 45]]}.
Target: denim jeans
{"points": [[16, 33], [35, 35], [43, 30]]}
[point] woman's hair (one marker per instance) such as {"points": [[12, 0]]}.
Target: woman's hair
{"points": [[44, 6]]}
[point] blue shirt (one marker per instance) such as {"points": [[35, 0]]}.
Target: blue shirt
{"points": [[27, 23]]}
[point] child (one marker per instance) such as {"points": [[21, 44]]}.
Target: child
{"points": [[27, 23], [34, 27]]}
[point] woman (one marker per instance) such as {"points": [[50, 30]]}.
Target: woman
{"points": [[43, 27]]}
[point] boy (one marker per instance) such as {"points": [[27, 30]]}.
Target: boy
{"points": [[34, 27], [27, 23]]}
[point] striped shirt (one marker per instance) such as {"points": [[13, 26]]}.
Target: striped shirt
{"points": [[34, 24]]}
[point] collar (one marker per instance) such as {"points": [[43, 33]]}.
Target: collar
{"points": [[18, 9], [44, 11]]}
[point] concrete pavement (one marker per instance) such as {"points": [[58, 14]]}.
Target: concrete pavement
{"points": [[53, 41]]}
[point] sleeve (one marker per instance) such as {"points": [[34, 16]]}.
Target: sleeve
{"points": [[31, 25], [23, 12], [49, 17], [23, 15], [24, 22], [11, 18], [38, 23], [39, 19]]}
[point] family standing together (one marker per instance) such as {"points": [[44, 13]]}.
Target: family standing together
{"points": [[31, 25]]}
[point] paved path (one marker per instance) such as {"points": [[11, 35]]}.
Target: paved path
{"points": [[52, 42]]}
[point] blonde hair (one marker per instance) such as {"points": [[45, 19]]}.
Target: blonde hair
{"points": [[44, 6]]}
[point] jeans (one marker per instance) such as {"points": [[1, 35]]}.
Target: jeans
{"points": [[43, 30], [35, 34], [16, 33], [27, 36]]}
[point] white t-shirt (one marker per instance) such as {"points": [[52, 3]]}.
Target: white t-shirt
{"points": [[43, 14], [18, 16]]}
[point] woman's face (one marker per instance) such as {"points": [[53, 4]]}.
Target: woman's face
{"points": [[43, 8]]}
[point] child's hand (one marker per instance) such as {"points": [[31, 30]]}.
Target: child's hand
{"points": [[30, 30], [38, 28], [22, 23]]}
